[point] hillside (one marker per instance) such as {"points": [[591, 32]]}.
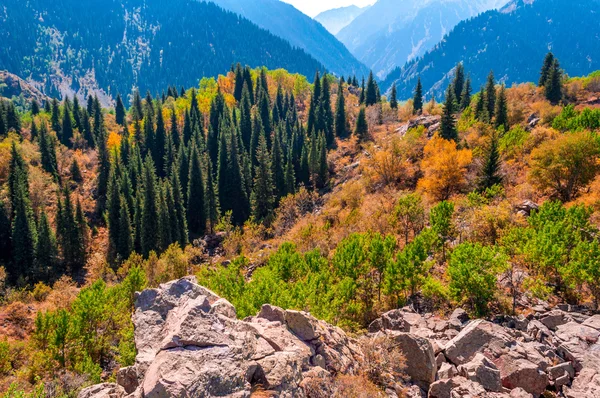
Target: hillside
{"points": [[301, 31], [110, 47], [498, 39], [338, 18]]}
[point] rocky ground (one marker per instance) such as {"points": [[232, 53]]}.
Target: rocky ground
{"points": [[190, 344]]}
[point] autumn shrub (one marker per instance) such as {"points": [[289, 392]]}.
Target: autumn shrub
{"points": [[383, 362], [41, 291]]}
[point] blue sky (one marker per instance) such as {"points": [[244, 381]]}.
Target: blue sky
{"points": [[314, 7]]}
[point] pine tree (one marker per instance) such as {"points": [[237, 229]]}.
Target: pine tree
{"points": [[165, 237], [322, 170], [35, 107], [363, 91], [501, 110], [67, 126], [211, 197], [113, 210], [448, 124], [393, 97], [418, 99], [239, 83], [47, 151], [459, 81], [465, 99], [314, 104], [160, 140], [24, 233], [180, 233], [124, 247], [175, 136], [3, 128], [149, 218], [362, 128], [371, 97], [263, 199], [341, 124], [5, 234], [120, 111], [325, 114], [246, 117], [491, 168], [103, 173], [290, 177], [81, 237], [553, 86], [77, 114], [46, 252], [55, 118], [68, 233], [265, 115], [480, 110], [490, 95], [546, 67], [34, 130], [76, 175], [196, 206], [13, 121], [18, 178], [278, 167]]}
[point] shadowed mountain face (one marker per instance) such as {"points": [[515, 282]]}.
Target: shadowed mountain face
{"points": [[512, 42], [301, 31], [391, 33], [111, 46], [338, 18]]}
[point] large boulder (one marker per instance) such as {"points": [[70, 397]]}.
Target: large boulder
{"points": [[392, 320], [420, 358], [477, 337], [483, 371], [190, 344], [586, 385]]}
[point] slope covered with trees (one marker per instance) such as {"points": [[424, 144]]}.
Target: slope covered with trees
{"points": [[498, 40], [109, 47]]}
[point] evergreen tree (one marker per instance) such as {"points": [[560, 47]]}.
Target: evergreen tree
{"points": [[149, 226], [81, 228], [187, 128], [55, 118], [35, 107], [46, 252], [13, 121], [325, 114], [263, 199], [246, 117], [363, 91], [180, 233], [553, 86], [290, 177], [211, 197], [34, 130], [160, 140], [120, 111], [465, 99], [501, 110], [239, 83], [480, 109], [196, 206], [418, 99], [362, 128], [448, 124], [249, 84], [175, 136], [371, 97], [165, 237], [67, 126], [113, 210], [149, 135], [3, 128], [491, 169], [24, 237], [341, 124], [47, 151], [69, 234], [77, 114], [546, 67], [76, 175], [278, 168], [321, 176], [393, 97], [490, 95], [125, 246], [103, 174], [314, 104], [257, 131], [265, 115], [5, 234], [459, 81]]}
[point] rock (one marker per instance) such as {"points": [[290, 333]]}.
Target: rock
{"points": [[105, 390], [302, 325], [272, 313], [526, 207], [420, 358], [478, 336], [431, 123], [440, 359], [558, 371], [593, 322], [128, 379], [520, 393], [447, 371], [518, 372], [223, 307], [392, 320], [454, 388], [573, 330], [481, 370], [586, 385], [555, 319]]}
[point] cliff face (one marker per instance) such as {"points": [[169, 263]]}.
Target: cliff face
{"points": [[190, 343]]}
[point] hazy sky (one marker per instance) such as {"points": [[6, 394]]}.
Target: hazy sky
{"points": [[314, 7]]}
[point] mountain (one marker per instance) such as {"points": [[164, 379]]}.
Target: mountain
{"points": [[390, 34], [338, 18], [300, 30], [110, 46], [512, 42]]}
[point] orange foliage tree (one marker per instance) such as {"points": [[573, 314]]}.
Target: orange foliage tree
{"points": [[444, 169]]}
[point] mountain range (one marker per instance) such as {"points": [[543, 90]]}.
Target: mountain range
{"points": [[390, 33], [300, 30], [111, 46], [512, 42], [338, 18]]}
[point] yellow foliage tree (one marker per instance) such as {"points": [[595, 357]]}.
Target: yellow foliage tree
{"points": [[444, 169]]}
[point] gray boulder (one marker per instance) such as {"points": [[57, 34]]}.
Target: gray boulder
{"points": [[481, 370]]}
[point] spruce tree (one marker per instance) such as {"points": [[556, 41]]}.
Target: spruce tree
{"points": [[81, 237], [24, 233], [70, 233], [67, 126], [236, 187], [553, 86], [418, 98], [341, 124], [491, 169], [265, 115], [175, 136], [393, 97], [5, 234], [465, 99], [480, 110], [371, 97], [47, 151], [314, 104], [3, 128], [18, 178], [501, 110], [546, 67], [33, 132], [55, 118], [103, 173], [239, 83], [120, 111], [149, 218], [459, 81], [13, 121], [76, 175], [448, 124], [180, 234], [322, 170], [46, 252], [246, 117], [278, 168], [196, 206], [124, 247], [490, 95], [263, 199], [290, 177], [211, 198], [249, 84], [35, 107], [77, 114], [362, 128], [160, 140], [325, 114], [113, 213], [165, 236]]}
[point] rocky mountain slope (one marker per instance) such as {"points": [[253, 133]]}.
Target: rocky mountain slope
{"points": [[390, 34], [301, 31], [338, 18], [498, 40], [190, 343], [110, 47]]}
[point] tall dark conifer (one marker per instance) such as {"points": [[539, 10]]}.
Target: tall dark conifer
{"points": [[341, 124], [545, 72], [501, 110], [371, 97], [263, 199], [150, 233], [196, 206], [393, 97], [448, 123], [418, 98], [120, 111], [490, 95]]}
